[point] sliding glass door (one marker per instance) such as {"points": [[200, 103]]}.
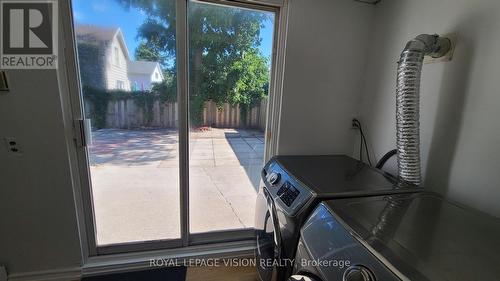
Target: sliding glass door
{"points": [[230, 51], [128, 90], [177, 95]]}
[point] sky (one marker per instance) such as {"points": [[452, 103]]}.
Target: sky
{"points": [[110, 13]]}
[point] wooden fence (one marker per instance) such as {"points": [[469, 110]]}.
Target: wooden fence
{"points": [[125, 114]]}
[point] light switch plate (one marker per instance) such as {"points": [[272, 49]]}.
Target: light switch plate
{"points": [[4, 85]]}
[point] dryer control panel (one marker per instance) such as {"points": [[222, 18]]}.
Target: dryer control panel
{"points": [[287, 191]]}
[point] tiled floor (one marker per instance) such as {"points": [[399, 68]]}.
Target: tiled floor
{"points": [[135, 181]]}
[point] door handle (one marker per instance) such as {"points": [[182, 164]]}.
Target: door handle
{"points": [[83, 132]]}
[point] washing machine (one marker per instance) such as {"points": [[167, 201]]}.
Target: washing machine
{"points": [[418, 236], [293, 186]]}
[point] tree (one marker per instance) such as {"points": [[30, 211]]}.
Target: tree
{"points": [[147, 51], [250, 74], [225, 63]]}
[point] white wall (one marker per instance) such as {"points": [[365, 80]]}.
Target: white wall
{"points": [[460, 131], [37, 213], [325, 75], [325, 58], [39, 228], [156, 77], [116, 72], [144, 81]]}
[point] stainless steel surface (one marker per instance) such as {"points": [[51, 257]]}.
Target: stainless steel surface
{"points": [[302, 183], [329, 176], [424, 237], [334, 253], [408, 102]]}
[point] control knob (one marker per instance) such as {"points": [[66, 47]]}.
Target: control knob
{"points": [[302, 278], [358, 273], [274, 178]]}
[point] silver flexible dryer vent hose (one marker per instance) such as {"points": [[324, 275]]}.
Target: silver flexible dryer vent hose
{"points": [[408, 102]]}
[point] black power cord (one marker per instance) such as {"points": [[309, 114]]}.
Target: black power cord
{"points": [[386, 157], [356, 124]]}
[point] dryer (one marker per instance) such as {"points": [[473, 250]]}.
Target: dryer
{"points": [[293, 186], [416, 237]]}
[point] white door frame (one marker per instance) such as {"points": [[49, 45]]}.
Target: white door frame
{"points": [[72, 104]]}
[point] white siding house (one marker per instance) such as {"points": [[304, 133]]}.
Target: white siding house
{"points": [[116, 71], [105, 61], [142, 74]]}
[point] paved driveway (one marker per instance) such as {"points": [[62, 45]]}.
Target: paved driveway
{"points": [[135, 182]]}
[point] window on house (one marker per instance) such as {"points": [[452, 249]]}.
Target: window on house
{"points": [[116, 56], [120, 85], [157, 76]]}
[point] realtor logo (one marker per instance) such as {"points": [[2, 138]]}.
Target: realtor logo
{"points": [[28, 34]]}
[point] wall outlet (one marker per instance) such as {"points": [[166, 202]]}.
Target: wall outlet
{"points": [[355, 123], [13, 146]]}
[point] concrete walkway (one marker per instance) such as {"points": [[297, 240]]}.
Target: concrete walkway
{"points": [[135, 182]]}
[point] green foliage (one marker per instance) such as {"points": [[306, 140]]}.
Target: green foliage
{"points": [[225, 62], [251, 76], [100, 98], [148, 51], [143, 99], [196, 106], [167, 89], [91, 70]]}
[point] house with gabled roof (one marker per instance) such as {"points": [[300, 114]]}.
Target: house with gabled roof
{"points": [[143, 74], [105, 61]]}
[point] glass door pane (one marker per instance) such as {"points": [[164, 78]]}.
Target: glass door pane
{"points": [[230, 51], [126, 54]]}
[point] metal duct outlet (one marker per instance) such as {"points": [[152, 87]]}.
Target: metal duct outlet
{"points": [[408, 101]]}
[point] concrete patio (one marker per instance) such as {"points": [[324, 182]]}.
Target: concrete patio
{"points": [[135, 182]]}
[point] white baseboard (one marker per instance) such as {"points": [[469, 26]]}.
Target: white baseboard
{"points": [[141, 260], [136, 261], [64, 274]]}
